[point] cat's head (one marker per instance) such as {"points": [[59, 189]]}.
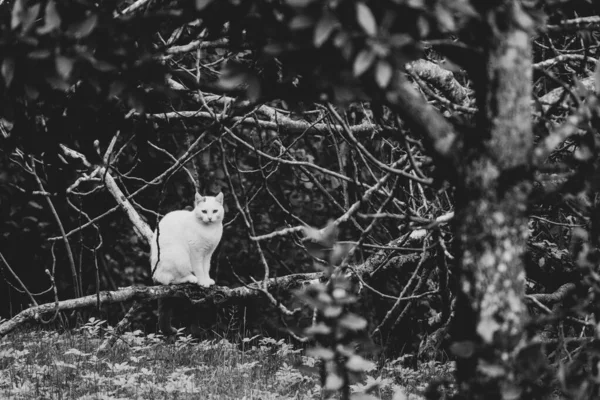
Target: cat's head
{"points": [[209, 209]]}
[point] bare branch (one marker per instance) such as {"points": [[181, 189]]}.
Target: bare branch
{"points": [[283, 123], [550, 298], [197, 44], [442, 79], [576, 24], [586, 112], [142, 228], [423, 118], [561, 59]]}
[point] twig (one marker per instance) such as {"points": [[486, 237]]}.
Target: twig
{"points": [[370, 156], [556, 223], [197, 44], [78, 288], [25, 290], [121, 326], [392, 310], [282, 232], [193, 181], [587, 111]]}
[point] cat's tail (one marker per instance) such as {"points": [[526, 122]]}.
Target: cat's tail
{"points": [[154, 254], [165, 312]]}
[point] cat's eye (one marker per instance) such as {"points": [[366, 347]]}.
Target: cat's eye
{"points": [[214, 211], [204, 211]]}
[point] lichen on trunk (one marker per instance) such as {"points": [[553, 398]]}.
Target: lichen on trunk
{"points": [[491, 228]]}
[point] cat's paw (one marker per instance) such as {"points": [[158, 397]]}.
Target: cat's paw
{"points": [[211, 282], [204, 283], [190, 279]]}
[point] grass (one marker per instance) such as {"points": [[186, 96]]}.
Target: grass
{"points": [[50, 365]]}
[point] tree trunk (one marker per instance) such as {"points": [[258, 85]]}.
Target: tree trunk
{"points": [[491, 211]]}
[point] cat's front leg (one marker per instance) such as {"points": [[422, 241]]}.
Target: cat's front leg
{"points": [[207, 270], [203, 282], [203, 279]]}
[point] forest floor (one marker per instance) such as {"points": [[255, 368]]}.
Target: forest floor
{"points": [[39, 364]]}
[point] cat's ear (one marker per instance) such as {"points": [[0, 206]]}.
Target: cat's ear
{"points": [[199, 199], [219, 198]]}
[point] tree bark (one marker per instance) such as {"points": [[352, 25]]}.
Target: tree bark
{"points": [[491, 228]]}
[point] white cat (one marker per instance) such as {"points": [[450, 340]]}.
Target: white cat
{"points": [[182, 253], [186, 242]]}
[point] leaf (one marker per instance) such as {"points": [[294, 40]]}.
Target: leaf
{"points": [[422, 26], [324, 28], [366, 19], [103, 66], [28, 17], [35, 205], [325, 237], [83, 28], [464, 349], [136, 102], [273, 49], [597, 77], [16, 14], [202, 4], [400, 40], [383, 73], [20, 15], [339, 252], [51, 20], [39, 54], [58, 83], [510, 391], [583, 153], [419, 4], [301, 22], [332, 311], [353, 322], [31, 92], [358, 364], [363, 61], [491, 370], [487, 328], [317, 329], [232, 81], [333, 382], [321, 353], [363, 396], [400, 394], [444, 18], [8, 70], [299, 3], [340, 39], [253, 89], [116, 88], [64, 66]]}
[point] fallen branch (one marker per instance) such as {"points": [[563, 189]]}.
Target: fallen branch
{"points": [[196, 294], [550, 298]]}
